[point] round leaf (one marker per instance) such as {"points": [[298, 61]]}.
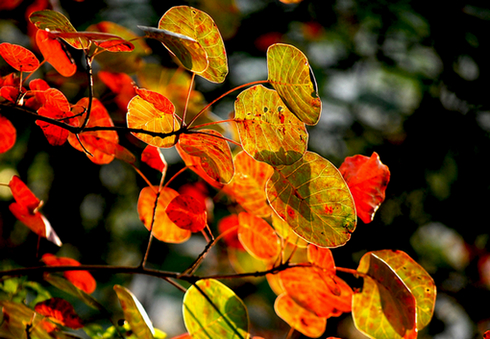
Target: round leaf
{"points": [[8, 134], [291, 76], [268, 131], [212, 310], [55, 54], [257, 236], [19, 57], [313, 198], [187, 212]]}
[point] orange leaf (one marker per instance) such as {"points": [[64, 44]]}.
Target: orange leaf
{"points": [[157, 220], [23, 195], [81, 279], [367, 179], [117, 45], [187, 212], [55, 53], [56, 135], [231, 237], [60, 311], [8, 134], [183, 336], [257, 236], [19, 57], [121, 84], [153, 158], [194, 163], [10, 93], [158, 100], [322, 257]]}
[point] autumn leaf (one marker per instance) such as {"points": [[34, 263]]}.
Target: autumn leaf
{"points": [[8, 134], [54, 53], [291, 76], [19, 57], [367, 178], [154, 158], [268, 131], [313, 198], [258, 237], [322, 257], [81, 279], [17, 315], [285, 231], [115, 45], [121, 84], [187, 212], [60, 311], [229, 224]]}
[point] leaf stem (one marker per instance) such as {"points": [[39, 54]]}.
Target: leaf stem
{"points": [[145, 258], [211, 123], [88, 62], [350, 271]]}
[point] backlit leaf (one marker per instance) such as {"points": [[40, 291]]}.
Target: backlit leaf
{"points": [[284, 231], [247, 186], [55, 135], [291, 76], [212, 310], [65, 285], [55, 54], [143, 114], [8, 134], [199, 26], [19, 57], [258, 237], [10, 93], [321, 257], [229, 224], [116, 45], [17, 316], [299, 318], [313, 198], [316, 290], [81, 279], [268, 131], [163, 228], [60, 311], [160, 102], [367, 178], [121, 85], [134, 313], [214, 153], [187, 212], [152, 156], [50, 21], [23, 195]]}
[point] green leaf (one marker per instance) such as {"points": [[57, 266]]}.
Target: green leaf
{"points": [[268, 131], [199, 26], [313, 198], [134, 313], [17, 318], [291, 76], [49, 20], [212, 310]]}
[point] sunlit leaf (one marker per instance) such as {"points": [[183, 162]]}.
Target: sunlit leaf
{"points": [[160, 102], [316, 290], [212, 310], [299, 318], [50, 21], [229, 224], [183, 336], [163, 228], [55, 54], [17, 316], [59, 311], [284, 231], [23, 195], [154, 158], [291, 76], [214, 153], [393, 279], [268, 131], [243, 262], [187, 212], [321, 257], [19, 57], [81, 279], [144, 115], [199, 26], [134, 313], [55, 135], [367, 178], [121, 84], [247, 186], [10, 93], [258, 237], [116, 45], [313, 198], [65, 285]]}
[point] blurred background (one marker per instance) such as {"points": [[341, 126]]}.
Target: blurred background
{"points": [[401, 78]]}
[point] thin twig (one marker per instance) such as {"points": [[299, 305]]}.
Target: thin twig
{"points": [[145, 258], [187, 99], [88, 62]]}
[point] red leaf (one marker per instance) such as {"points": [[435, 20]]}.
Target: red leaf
{"points": [[55, 54], [367, 179], [153, 158], [230, 223], [10, 93], [187, 213], [60, 311], [121, 84], [19, 57], [8, 134], [56, 135], [81, 279], [118, 45], [158, 100], [23, 195]]}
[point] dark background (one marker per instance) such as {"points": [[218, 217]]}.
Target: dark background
{"points": [[405, 79]]}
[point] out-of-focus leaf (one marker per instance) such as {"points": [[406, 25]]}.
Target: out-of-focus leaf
{"points": [[367, 178], [23, 195], [268, 131], [212, 310], [243, 262], [59, 311], [225, 13], [231, 236], [187, 212], [10, 93], [214, 153], [81, 279], [19, 57], [183, 336], [134, 313], [66, 286], [291, 76], [313, 198], [55, 54], [393, 278], [199, 26], [284, 230], [154, 158], [122, 86], [163, 228], [16, 317], [318, 291], [144, 115], [258, 237], [247, 186], [299, 318], [116, 45], [321, 257]]}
